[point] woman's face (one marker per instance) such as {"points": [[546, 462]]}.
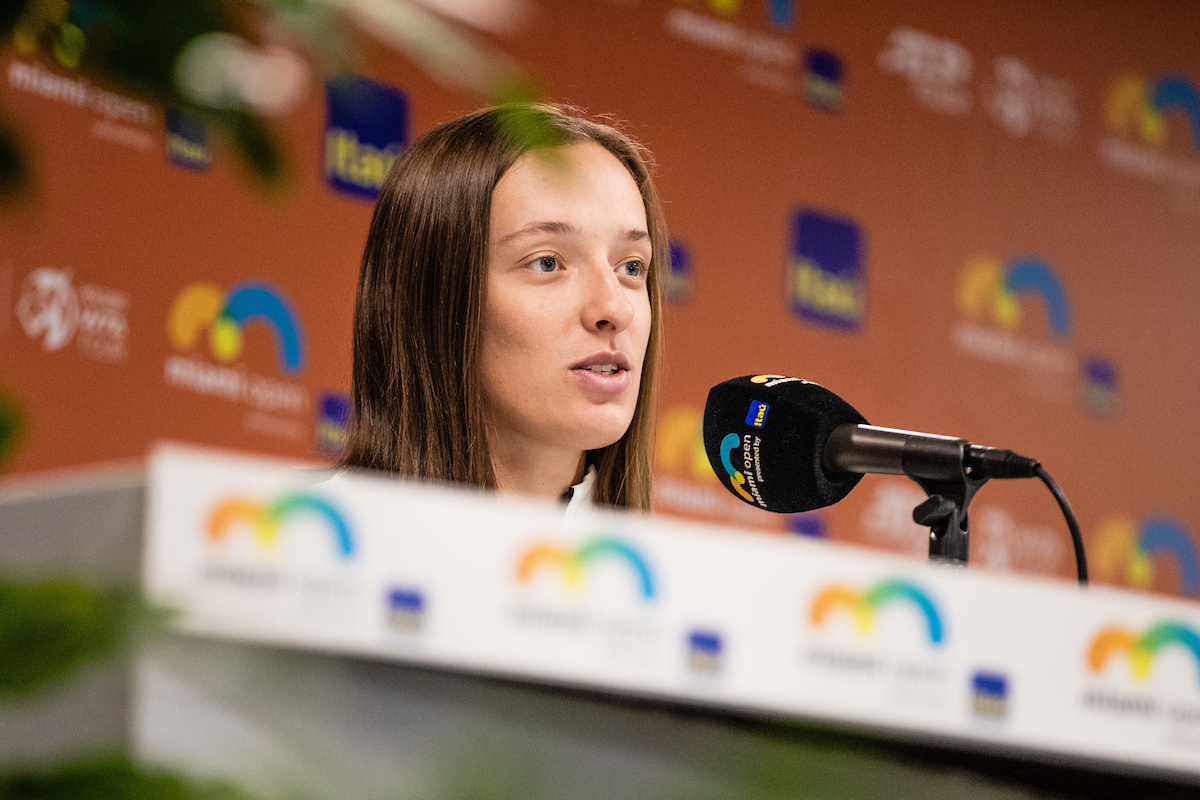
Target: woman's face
{"points": [[567, 317]]}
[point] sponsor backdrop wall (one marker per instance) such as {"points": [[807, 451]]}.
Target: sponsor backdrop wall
{"points": [[978, 219]]}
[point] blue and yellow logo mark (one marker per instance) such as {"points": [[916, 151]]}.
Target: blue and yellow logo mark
{"points": [[865, 606], [1142, 647], [572, 564], [333, 423], [737, 480], [1138, 108], [204, 307], [1101, 386], [187, 140], [1130, 553], [705, 649], [992, 291], [266, 519], [366, 130], [989, 694], [824, 80], [677, 283], [756, 417], [781, 14], [826, 281]]}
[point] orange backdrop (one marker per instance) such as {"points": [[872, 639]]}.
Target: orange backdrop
{"points": [[1022, 180]]}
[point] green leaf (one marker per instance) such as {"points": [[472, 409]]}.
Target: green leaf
{"points": [[48, 630]]}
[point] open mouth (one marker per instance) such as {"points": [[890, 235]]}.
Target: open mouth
{"points": [[603, 369]]}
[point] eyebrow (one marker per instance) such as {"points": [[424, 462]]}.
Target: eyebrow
{"points": [[562, 229]]}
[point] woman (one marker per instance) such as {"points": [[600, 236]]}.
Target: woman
{"points": [[508, 322]]}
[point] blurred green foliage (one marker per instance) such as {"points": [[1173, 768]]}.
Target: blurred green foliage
{"points": [[112, 777], [11, 419], [50, 629]]}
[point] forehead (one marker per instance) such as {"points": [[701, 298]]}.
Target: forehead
{"points": [[581, 183]]}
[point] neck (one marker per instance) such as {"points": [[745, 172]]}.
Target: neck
{"points": [[539, 471]]}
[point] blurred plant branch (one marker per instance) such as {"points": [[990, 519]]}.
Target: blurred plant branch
{"points": [[239, 63]]}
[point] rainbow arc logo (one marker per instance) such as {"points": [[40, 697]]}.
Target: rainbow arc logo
{"points": [[1127, 551], [866, 605], [1142, 649], [1138, 107], [267, 519], [205, 307], [573, 564], [994, 291]]}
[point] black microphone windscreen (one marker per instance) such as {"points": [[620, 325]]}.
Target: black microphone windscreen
{"points": [[764, 435]]}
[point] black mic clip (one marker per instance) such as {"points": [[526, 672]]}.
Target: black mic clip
{"points": [[944, 470]]}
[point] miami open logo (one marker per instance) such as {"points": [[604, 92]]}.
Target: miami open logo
{"points": [[1136, 553], [573, 564], [266, 521], [864, 607], [205, 311], [993, 292], [1142, 649], [206, 319], [1138, 108]]}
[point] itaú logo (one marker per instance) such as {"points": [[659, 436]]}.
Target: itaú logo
{"points": [[1138, 108], [993, 291], [865, 606], [205, 308], [574, 563]]}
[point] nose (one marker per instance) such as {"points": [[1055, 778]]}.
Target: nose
{"points": [[606, 305]]}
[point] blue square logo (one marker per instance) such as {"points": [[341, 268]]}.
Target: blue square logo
{"points": [[826, 281], [406, 608], [366, 129], [705, 649], [989, 693], [824, 80], [333, 423], [677, 281], [756, 417], [187, 140], [1101, 388]]}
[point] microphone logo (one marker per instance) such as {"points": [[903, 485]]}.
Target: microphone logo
{"points": [[756, 417], [737, 480]]}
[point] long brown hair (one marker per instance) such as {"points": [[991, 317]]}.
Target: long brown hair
{"points": [[419, 406]]}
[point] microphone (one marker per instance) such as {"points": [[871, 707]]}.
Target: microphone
{"points": [[789, 445]]}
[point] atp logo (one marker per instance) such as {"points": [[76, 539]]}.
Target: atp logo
{"points": [[825, 278], [574, 564], [1137, 108], [1132, 553], [991, 291], [266, 520], [204, 307], [781, 14], [1141, 648], [867, 605], [49, 308]]}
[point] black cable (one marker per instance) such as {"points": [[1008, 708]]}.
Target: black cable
{"points": [[1076, 537]]}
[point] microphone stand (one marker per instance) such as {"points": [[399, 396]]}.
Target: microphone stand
{"points": [[951, 486]]}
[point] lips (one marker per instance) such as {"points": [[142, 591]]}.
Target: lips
{"points": [[603, 374]]}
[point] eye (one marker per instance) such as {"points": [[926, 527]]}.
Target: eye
{"points": [[635, 268], [544, 264]]}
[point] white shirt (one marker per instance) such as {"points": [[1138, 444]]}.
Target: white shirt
{"points": [[581, 494]]}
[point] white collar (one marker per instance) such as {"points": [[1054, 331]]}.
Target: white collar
{"points": [[581, 493]]}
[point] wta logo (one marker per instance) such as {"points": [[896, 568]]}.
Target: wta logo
{"points": [[1133, 553], [992, 291], [1141, 649], [204, 308], [266, 521], [865, 606], [574, 564], [1137, 108]]}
